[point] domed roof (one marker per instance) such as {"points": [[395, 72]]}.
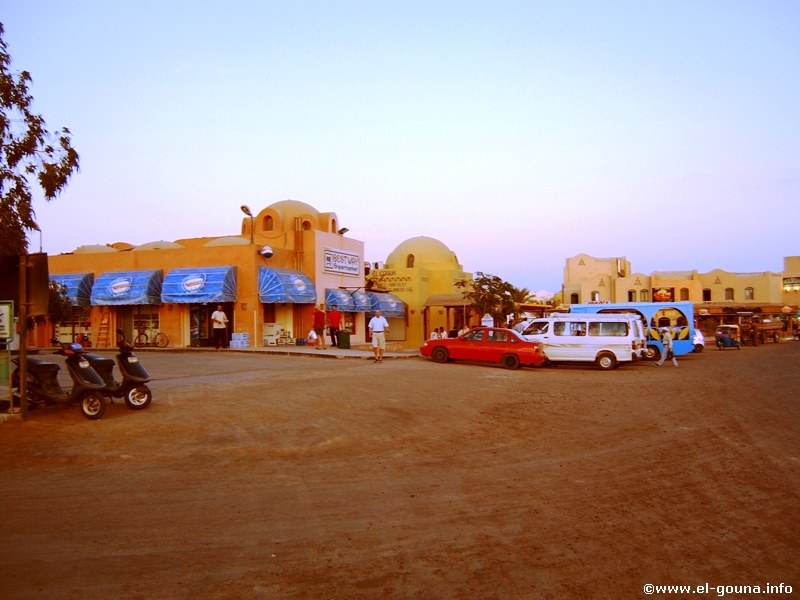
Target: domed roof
{"points": [[293, 208], [426, 250], [93, 249], [230, 240], [157, 245]]}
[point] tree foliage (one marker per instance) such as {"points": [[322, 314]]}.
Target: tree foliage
{"points": [[27, 151], [488, 294], [59, 306]]}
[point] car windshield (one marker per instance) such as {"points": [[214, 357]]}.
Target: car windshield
{"points": [[537, 328]]}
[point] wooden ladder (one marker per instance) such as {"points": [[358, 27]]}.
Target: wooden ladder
{"points": [[102, 333]]}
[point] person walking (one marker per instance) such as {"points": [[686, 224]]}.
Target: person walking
{"points": [[378, 326], [334, 323], [319, 326], [667, 352], [219, 324]]}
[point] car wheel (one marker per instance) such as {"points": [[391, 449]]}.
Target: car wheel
{"points": [[698, 348], [606, 361], [651, 353], [511, 361], [439, 355]]}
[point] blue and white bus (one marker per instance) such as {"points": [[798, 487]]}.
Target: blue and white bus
{"points": [[678, 316]]}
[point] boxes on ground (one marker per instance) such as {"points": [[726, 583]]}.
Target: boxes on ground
{"points": [[344, 339], [240, 340]]}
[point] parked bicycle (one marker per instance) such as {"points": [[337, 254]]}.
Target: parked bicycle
{"points": [[159, 339]]}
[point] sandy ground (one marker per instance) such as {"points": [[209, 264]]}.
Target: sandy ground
{"points": [[256, 476]]}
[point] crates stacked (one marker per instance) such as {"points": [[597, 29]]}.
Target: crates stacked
{"points": [[240, 340]]}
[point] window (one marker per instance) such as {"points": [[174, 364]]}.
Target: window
{"points": [[569, 328], [644, 296], [537, 328], [474, 336], [269, 223], [631, 295], [574, 299], [410, 261], [684, 293], [706, 295], [729, 294], [749, 293], [615, 329], [497, 335], [595, 295]]}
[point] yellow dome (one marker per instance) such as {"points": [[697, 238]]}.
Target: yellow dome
{"points": [[293, 208], [426, 251]]}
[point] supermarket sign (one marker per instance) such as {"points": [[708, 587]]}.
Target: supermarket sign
{"points": [[343, 263]]}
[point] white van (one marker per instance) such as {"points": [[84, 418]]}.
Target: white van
{"points": [[603, 339]]}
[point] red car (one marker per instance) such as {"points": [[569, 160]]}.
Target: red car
{"points": [[486, 344]]}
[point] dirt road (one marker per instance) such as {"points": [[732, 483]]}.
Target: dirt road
{"points": [[280, 477]]}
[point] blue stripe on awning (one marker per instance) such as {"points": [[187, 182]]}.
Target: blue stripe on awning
{"points": [[199, 285], [362, 300], [78, 286], [127, 287], [341, 299], [279, 286], [390, 305]]}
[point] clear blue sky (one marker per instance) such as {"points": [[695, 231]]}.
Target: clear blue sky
{"points": [[517, 133]]}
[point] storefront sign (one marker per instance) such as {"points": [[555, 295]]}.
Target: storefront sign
{"points": [[6, 321], [344, 263], [194, 283], [663, 294]]}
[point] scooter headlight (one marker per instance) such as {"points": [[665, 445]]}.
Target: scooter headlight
{"points": [[84, 364], [133, 359]]}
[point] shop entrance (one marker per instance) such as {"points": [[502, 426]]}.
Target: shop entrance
{"points": [[201, 333]]}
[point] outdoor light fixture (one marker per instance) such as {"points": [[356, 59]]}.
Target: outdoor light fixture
{"points": [[246, 210], [343, 230]]}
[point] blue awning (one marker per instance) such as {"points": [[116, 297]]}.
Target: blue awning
{"points": [[199, 285], [390, 305], [78, 286], [279, 286], [127, 287], [363, 301], [341, 299]]}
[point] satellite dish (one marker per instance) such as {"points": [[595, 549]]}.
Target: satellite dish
{"points": [[266, 251]]}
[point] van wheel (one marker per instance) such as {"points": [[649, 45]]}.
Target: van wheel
{"points": [[698, 348], [606, 361], [651, 353], [511, 361], [439, 355]]}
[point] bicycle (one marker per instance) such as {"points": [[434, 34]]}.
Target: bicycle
{"points": [[160, 339]]}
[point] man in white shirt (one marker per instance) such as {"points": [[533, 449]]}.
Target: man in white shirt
{"points": [[219, 323], [378, 326]]}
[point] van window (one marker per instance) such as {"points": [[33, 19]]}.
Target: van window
{"points": [[614, 329], [537, 328], [569, 328]]}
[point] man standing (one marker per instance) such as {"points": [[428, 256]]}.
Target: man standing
{"points": [[219, 323], [378, 326], [319, 326], [334, 322]]}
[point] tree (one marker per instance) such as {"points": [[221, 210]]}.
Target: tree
{"points": [[488, 294], [59, 306], [27, 150]]}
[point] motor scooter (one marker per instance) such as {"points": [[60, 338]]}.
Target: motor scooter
{"points": [[44, 389], [134, 376]]}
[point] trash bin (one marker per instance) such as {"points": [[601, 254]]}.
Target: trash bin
{"points": [[344, 340]]}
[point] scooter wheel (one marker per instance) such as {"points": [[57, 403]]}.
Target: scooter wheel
{"points": [[93, 405], [138, 397]]}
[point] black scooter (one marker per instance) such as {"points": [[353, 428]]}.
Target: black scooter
{"points": [[44, 389], [134, 376]]}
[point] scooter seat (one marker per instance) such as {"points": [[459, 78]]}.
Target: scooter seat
{"points": [[38, 365]]}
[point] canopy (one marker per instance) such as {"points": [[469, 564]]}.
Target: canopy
{"points": [[390, 305], [127, 287], [362, 300], [341, 299], [200, 285], [278, 286], [78, 286]]}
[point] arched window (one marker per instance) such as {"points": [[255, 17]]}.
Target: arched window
{"points": [[410, 261], [269, 223], [684, 293], [644, 296], [595, 295], [749, 293], [729, 294], [306, 225], [631, 295], [574, 299]]}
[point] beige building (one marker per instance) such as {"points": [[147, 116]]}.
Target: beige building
{"points": [[716, 293], [426, 275]]}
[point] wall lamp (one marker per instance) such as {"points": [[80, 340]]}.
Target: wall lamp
{"points": [[246, 210], [343, 230]]}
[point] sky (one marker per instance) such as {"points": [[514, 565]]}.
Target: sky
{"points": [[518, 133]]}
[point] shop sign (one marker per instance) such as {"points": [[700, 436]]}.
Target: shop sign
{"points": [[663, 294], [192, 284], [120, 286], [6, 321], [343, 263]]}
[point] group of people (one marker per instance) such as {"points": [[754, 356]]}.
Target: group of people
{"points": [[332, 319], [439, 333]]}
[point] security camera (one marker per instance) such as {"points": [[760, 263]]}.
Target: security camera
{"points": [[266, 251]]}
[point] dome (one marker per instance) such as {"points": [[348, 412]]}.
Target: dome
{"points": [[426, 250], [230, 240], [93, 249], [159, 245], [293, 208]]}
